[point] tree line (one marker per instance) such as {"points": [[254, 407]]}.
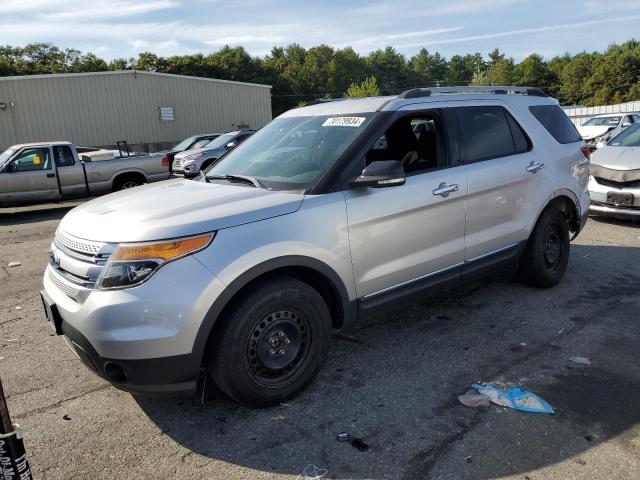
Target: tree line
{"points": [[300, 74]]}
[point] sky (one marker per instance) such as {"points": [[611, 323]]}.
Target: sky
{"points": [[123, 28]]}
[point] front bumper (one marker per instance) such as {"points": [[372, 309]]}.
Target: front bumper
{"points": [[616, 212], [601, 203], [140, 339]]}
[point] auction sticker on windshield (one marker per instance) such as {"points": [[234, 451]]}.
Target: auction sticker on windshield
{"points": [[343, 122]]}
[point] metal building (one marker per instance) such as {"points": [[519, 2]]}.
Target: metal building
{"points": [[150, 110]]}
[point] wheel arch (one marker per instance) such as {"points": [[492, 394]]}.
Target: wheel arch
{"points": [[309, 270], [128, 173], [567, 202]]}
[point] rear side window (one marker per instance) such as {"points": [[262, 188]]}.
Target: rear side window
{"points": [[489, 132], [63, 156], [556, 122]]}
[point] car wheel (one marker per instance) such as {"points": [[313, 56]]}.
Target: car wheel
{"points": [[546, 255], [124, 183], [272, 343]]}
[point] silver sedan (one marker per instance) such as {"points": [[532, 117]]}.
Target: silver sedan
{"points": [[614, 184]]}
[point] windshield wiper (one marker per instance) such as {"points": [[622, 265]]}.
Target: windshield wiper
{"points": [[242, 178]]}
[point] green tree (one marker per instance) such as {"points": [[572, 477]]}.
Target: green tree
{"points": [[368, 88], [533, 71], [428, 69], [391, 70]]}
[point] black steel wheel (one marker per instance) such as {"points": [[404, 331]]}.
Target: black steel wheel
{"points": [[546, 255], [272, 343]]}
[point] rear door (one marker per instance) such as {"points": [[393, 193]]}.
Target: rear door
{"points": [[70, 172], [29, 177], [508, 184], [405, 237]]}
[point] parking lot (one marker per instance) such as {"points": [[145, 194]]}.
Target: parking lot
{"points": [[393, 383]]}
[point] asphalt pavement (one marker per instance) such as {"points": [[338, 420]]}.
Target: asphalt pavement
{"points": [[392, 382]]}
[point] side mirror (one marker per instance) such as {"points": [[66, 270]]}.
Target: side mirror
{"points": [[626, 124], [8, 168], [231, 144], [380, 174]]}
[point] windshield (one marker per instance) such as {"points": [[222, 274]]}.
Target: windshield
{"points": [[184, 144], [291, 153], [5, 155], [602, 122], [221, 141], [628, 138]]}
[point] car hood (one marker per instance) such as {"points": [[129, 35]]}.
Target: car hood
{"points": [[174, 208], [617, 158], [186, 153], [593, 131]]}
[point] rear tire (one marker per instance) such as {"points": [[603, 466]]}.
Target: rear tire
{"points": [[546, 255], [126, 181], [272, 343]]}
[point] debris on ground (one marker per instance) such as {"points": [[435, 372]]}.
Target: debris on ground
{"points": [[66, 417], [560, 331], [14, 264], [18, 307], [311, 471], [474, 399], [580, 360], [506, 396], [343, 437], [468, 459], [360, 445]]}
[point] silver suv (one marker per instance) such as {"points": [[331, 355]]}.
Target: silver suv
{"points": [[331, 212]]}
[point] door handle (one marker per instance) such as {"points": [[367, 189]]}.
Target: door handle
{"points": [[51, 175], [535, 167], [444, 189]]}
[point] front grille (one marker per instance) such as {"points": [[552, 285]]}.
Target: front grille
{"points": [[77, 261], [69, 291], [177, 163], [78, 245], [620, 185]]}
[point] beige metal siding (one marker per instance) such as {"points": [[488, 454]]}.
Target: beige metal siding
{"points": [[99, 109]]}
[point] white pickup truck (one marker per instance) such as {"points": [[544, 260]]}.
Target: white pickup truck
{"points": [[51, 171]]}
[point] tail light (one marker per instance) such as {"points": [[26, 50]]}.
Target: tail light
{"points": [[586, 152], [165, 161]]}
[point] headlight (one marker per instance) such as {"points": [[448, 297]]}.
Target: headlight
{"points": [[193, 156], [133, 263]]}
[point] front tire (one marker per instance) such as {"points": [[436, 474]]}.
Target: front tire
{"points": [[272, 342], [547, 252]]}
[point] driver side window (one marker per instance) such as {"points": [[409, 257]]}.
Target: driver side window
{"points": [[31, 159], [417, 141]]}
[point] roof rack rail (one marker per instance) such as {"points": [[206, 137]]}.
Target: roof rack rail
{"points": [[429, 91], [322, 100]]}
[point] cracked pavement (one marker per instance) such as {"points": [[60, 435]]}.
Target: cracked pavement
{"points": [[392, 382]]}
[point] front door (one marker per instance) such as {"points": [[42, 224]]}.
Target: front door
{"points": [[403, 235], [29, 177]]}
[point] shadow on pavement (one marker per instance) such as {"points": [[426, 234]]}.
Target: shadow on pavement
{"points": [[19, 217], [394, 383]]}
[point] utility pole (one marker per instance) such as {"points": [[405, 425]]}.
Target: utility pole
{"points": [[13, 458]]}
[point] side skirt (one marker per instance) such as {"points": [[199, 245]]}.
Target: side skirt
{"points": [[421, 287]]}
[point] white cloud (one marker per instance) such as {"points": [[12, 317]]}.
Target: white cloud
{"points": [[521, 31], [69, 10]]}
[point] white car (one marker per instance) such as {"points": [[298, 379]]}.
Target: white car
{"points": [[614, 183], [602, 128]]}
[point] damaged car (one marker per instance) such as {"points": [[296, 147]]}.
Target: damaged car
{"points": [[600, 129], [614, 182]]}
